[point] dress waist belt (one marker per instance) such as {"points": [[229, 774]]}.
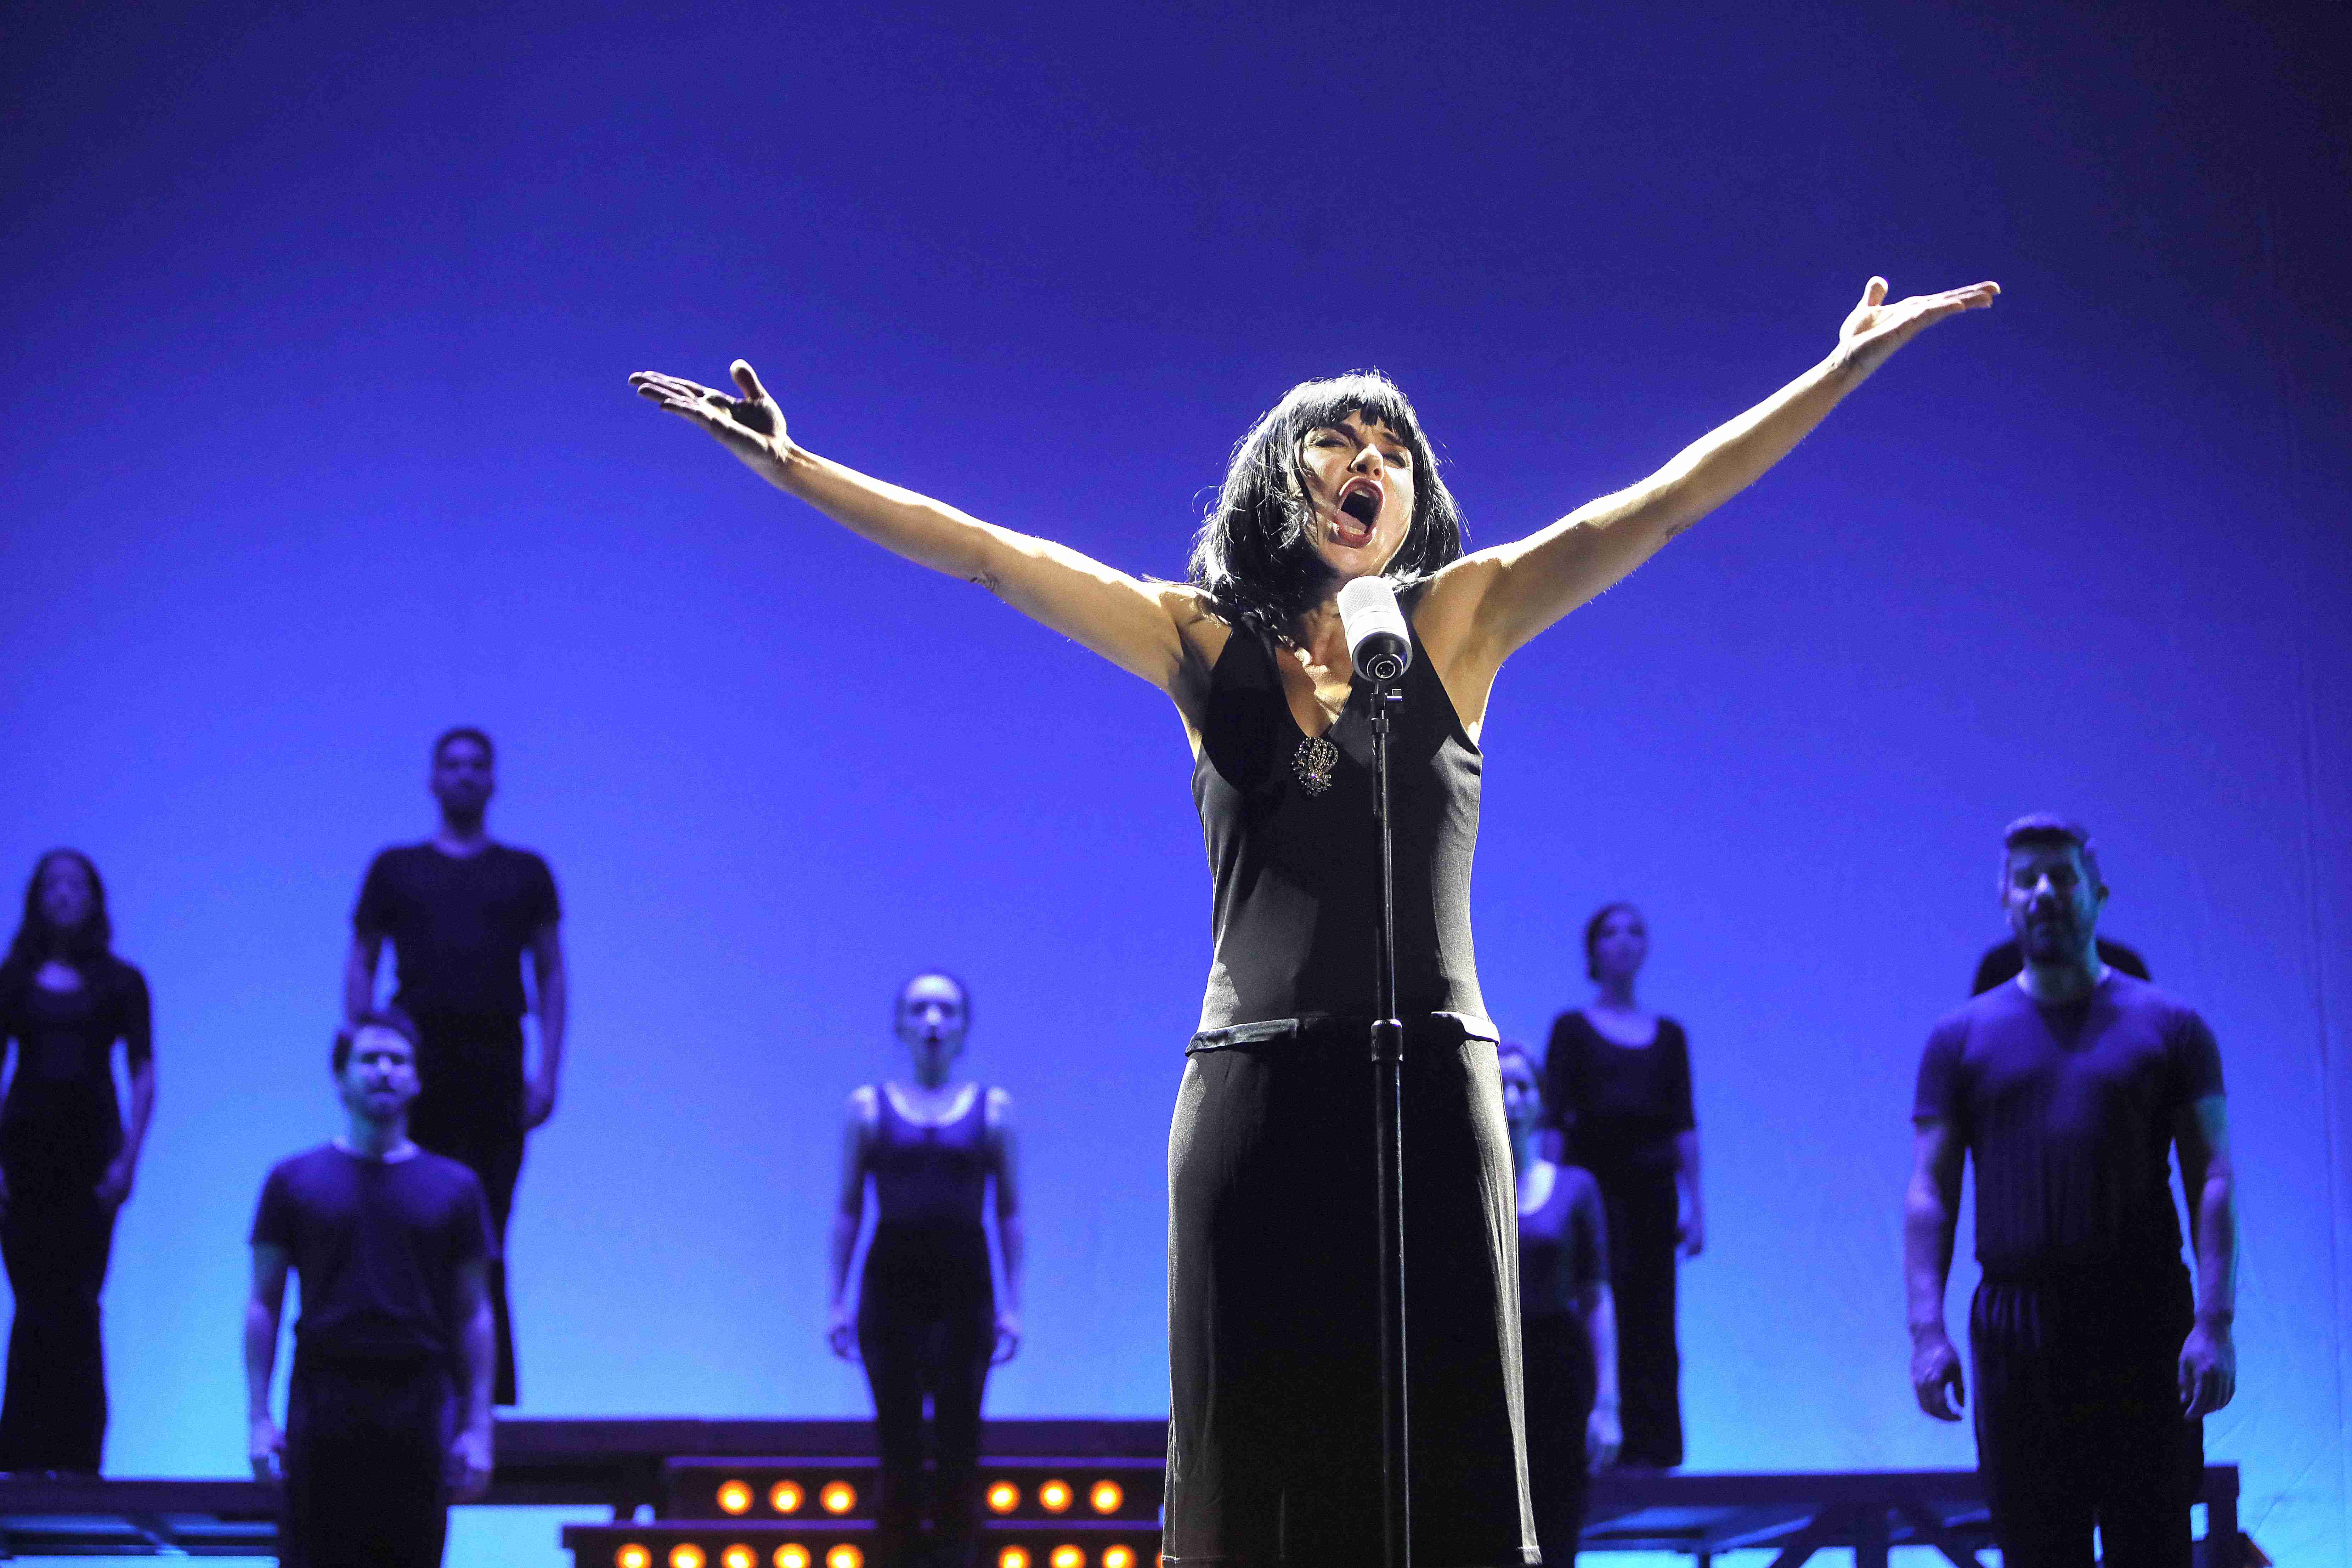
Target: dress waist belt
{"points": [[1316, 1029]]}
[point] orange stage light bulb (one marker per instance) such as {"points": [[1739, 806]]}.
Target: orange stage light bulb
{"points": [[1105, 1497], [785, 1497], [1055, 1496], [838, 1497]]}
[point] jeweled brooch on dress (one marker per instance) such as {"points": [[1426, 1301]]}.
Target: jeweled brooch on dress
{"points": [[1313, 763]]}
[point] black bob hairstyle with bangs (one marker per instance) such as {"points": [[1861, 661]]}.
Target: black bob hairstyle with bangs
{"points": [[1255, 556]]}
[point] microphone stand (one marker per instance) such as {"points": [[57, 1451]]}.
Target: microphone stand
{"points": [[1387, 1118]]}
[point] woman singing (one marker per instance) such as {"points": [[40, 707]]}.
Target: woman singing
{"points": [[927, 1322], [1567, 1325], [1273, 1437], [68, 1156], [1618, 1079]]}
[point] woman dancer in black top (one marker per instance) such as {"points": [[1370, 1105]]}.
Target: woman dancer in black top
{"points": [[1618, 1080], [1274, 1442], [1567, 1325], [927, 1319], [68, 1157]]}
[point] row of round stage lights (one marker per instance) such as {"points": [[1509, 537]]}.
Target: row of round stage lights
{"points": [[785, 1497], [685, 1554], [793, 1554], [839, 1497]]}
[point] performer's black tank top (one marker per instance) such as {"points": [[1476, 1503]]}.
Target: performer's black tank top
{"points": [[1298, 873], [931, 1175]]}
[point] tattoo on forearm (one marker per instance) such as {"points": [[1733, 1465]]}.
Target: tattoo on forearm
{"points": [[989, 580]]}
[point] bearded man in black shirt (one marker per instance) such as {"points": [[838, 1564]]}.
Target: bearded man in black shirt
{"points": [[2096, 1365], [461, 912], [388, 1412]]}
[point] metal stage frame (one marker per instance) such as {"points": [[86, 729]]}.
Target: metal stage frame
{"points": [[617, 1464]]}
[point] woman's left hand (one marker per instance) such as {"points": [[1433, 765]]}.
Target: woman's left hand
{"points": [[1008, 1339], [115, 1185], [1875, 329], [1693, 1235]]}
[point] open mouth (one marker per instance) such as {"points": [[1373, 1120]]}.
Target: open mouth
{"points": [[1359, 506]]}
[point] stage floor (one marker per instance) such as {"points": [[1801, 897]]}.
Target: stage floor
{"points": [[659, 1477]]}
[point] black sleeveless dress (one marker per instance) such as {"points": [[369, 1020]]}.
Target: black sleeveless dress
{"points": [[1273, 1317]]}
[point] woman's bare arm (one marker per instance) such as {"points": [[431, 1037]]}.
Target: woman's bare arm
{"points": [[1129, 622], [849, 1216], [1486, 607]]}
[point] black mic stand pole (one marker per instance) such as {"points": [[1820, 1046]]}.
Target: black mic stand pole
{"points": [[1388, 1116]]}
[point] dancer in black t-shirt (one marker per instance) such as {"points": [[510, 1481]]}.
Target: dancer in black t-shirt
{"points": [[1568, 1323], [461, 913], [2069, 1089], [1617, 1079], [68, 1157], [927, 1319], [388, 1410]]}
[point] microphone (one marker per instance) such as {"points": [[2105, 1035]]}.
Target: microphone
{"points": [[1380, 644]]}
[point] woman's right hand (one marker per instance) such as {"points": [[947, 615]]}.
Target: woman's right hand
{"points": [[841, 1333], [750, 426]]}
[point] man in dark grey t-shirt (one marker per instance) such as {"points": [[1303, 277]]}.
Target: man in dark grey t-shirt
{"points": [[388, 1411], [2070, 1089]]}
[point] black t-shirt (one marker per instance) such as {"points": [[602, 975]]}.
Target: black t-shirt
{"points": [[61, 1124], [2068, 1112], [2007, 962], [377, 1245], [458, 924], [1621, 1105], [1563, 1245]]}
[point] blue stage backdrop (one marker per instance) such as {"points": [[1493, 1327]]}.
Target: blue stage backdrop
{"points": [[316, 440]]}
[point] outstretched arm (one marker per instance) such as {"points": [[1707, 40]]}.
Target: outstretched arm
{"points": [[1131, 622], [1486, 607]]}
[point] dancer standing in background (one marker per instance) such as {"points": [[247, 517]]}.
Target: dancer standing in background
{"points": [[68, 1157], [1618, 1080], [388, 1411], [928, 1320], [2096, 1365], [1274, 1449], [1567, 1326], [2004, 961], [461, 911]]}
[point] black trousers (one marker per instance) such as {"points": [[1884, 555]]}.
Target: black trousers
{"points": [[1557, 1352], [2078, 1419], [469, 1109], [55, 1245], [366, 1451], [927, 1326], [1644, 1221]]}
